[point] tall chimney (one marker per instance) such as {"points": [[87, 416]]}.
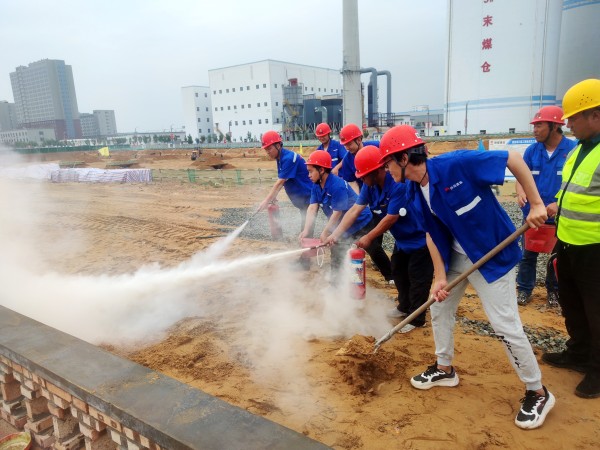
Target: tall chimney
{"points": [[353, 107]]}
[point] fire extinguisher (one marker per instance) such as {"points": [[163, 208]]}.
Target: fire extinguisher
{"points": [[357, 272], [276, 231]]}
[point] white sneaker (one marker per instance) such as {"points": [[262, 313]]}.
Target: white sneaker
{"points": [[395, 314], [407, 328]]}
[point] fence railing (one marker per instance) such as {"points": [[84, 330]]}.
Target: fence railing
{"points": [[216, 177]]}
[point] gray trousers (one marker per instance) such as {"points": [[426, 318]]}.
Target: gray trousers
{"points": [[499, 300]]}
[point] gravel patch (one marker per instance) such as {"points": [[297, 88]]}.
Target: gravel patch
{"points": [[546, 339]]}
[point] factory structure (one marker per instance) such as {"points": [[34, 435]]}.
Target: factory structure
{"points": [[504, 60], [243, 101]]}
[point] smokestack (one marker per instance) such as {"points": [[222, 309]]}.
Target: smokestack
{"points": [[353, 108]]}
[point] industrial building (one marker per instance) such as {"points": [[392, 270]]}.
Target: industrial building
{"points": [[197, 111], [249, 99], [27, 136], [44, 94]]}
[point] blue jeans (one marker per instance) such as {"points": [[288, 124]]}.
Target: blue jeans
{"points": [[527, 274]]}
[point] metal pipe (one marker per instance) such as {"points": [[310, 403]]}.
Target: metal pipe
{"points": [[389, 92], [373, 84]]}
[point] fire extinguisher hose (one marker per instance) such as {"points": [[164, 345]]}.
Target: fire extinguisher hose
{"points": [[485, 258]]}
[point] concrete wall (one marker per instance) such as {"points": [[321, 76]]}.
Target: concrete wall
{"points": [[71, 395]]}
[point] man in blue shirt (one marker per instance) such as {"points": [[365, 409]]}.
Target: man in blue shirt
{"points": [[465, 221], [411, 265], [331, 146], [351, 137], [545, 159], [335, 197], [291, 172]]}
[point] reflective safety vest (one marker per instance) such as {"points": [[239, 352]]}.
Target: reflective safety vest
{"points": [[579, 200]]}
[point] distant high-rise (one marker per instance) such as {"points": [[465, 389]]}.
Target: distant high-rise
{"points": [[89, 125], [44, 94], [8, 116], [107, 124]]}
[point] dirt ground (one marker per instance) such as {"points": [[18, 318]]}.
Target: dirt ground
{"points": [[258, 334]]}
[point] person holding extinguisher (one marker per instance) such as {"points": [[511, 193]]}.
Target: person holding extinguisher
{"points": [[411, 265], [545, 159], [292, 175], [335, 197]]}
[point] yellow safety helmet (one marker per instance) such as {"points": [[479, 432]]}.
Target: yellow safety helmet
{"points": [[581, 96]]}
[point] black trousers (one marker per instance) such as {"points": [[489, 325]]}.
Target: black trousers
{"points": [[579, 297], [413, 275]]}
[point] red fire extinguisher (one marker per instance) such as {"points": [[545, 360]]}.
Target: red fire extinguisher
{"points": [[276, 231], [357, 272]]}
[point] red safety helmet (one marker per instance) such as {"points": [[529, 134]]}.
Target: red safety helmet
{"points": [[270, 138], [349, 133], [549, 114], [399, 139], [322, 130], [367, 160], [319, 158]]}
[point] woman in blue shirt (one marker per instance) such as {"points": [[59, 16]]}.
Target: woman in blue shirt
{"points": [[335, 197]]}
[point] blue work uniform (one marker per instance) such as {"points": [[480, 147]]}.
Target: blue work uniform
{"points": [[467, 210], [408, 231], [348, 169], [336, 150], [547, 170], [292, 168], [378, 199], [337, 195], [412, 267]]}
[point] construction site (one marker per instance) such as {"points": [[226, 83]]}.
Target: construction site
{"points": [[146, 304], [154, 273]]}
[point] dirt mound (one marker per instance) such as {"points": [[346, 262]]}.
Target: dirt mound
{"points": [[364, 370], [205, 161]]}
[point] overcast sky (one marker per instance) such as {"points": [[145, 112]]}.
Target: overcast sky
{"points": [[133, 56]]}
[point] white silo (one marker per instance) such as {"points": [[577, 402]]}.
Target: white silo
{"points": [[502, 63], [579, 54]]}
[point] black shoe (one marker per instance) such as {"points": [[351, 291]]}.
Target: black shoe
{"points": [[534, 409], [553, 299], [434, 377], [565, 361], [589, 386], [523, 298]]}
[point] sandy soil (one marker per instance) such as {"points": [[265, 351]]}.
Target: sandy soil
{"points": [[261, 335]]}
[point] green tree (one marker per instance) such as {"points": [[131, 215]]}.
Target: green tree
{"points": [[189, 139]]}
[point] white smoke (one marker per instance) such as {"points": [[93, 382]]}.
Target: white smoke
{"points": [[275, 308]]}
